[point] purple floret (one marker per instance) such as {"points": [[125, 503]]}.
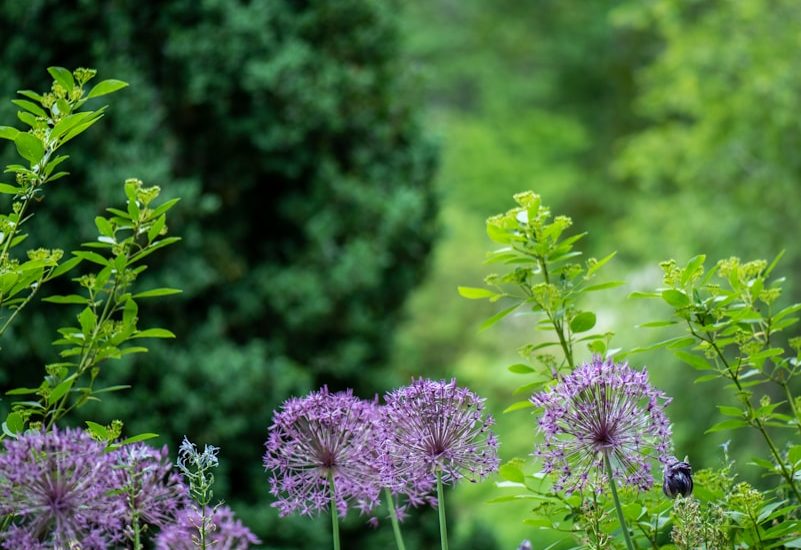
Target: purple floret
{"points": [[60, 489], [602, 408], [224, 531], [436, 426], [319, 435]]}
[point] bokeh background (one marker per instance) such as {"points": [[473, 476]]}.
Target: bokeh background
{"points": [[336, 160]]}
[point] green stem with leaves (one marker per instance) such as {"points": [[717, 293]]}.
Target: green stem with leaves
{"points": [[334, 515], [610, 474], [443, 528], [755, 421], [393, 515]]}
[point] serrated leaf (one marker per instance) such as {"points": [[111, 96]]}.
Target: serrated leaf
{"points": [[29, 147], [582, 322], [106, 87]]}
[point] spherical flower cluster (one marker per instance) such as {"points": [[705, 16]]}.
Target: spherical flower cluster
{"points": [[320, 438], [602, 409], [437, 426], [224, 531], [424, 429], [60, 488]]}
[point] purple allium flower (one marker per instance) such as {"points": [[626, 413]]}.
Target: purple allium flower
{"points": [[60, 489], [151, 487], [602, 408], [438, 426], [224, 531], [317, 435]]}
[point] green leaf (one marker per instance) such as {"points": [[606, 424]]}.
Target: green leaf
{"points": [[520, 405], [7, 189], [691, 268], [520, 368], [157, 292], [511, 472], [62, 76], [106, 87], [15, 423], [694, 361], [88, 320], [675, 298], [604, 286], [154, 333], [582, 322], [69, 299], [138, 438], [64, 267], [732, 424], [730, 411], [497, 317], [60, 390], [98, 430], [639, 294], [7, 132], [93, 257], [22, 391], [30, 107], [29, 147], [472, 293], [156, 228], [656, 324], [600, 263]]}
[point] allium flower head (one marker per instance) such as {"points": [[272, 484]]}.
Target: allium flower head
{"points": [[225, 532], [150, 486], [602, 408], [61, 490], [438, 426], [317, 435]]}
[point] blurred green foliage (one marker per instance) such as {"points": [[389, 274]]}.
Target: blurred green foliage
{"points": [[289, 131], [665, 129]]}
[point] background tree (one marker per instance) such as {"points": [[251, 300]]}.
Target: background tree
{"points": [[289, 130]]}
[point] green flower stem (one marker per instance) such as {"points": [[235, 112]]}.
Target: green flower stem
{"points": [[394, 517], [443, 528], [621, 519], [334, 517]]}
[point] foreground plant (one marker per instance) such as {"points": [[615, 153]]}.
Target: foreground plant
{"points": [[321, 455], [603, 422], [439, 429], [59, 489]]}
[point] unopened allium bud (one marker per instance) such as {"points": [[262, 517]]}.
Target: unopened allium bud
{"points": [[678, 479]]}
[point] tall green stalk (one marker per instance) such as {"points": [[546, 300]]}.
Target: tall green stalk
{"points": [[394, 517], [621, 519], [443, 528], [334, 516]]}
